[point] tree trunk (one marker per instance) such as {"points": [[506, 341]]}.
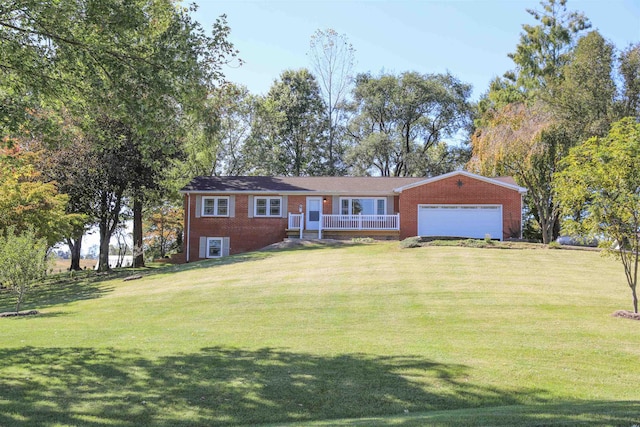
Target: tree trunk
{"points": [[635, 300], [20, 297], [179, 242], [75, 245], [103, 258], [138, 253]]}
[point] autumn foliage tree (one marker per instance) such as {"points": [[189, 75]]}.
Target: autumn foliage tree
{"points": [[163, 229], [524, 142], [27, 200]]}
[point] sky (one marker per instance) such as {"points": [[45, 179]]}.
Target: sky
{"points": [[469, 38]]}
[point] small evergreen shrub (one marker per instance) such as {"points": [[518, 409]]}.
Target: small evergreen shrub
{"points": [[410, 242]]}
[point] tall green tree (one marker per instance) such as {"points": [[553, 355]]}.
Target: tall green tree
{"points": [[544, 49], [218, 133], [598, 189], [629, 69], [287, 135], [540, 56], [398, 119], [332, 58], [584, 97]]}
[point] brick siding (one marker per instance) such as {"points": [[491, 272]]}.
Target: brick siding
{"points": [[472, 191], [245, 234], [249, 234]]}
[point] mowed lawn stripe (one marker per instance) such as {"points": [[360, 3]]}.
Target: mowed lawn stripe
{"points": [[326, 333]]}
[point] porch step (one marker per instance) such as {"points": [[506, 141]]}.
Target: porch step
{"points": [[306, 234], [310, 234]]}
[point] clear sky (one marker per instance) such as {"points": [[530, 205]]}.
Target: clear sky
{"points": [[469, 38]]}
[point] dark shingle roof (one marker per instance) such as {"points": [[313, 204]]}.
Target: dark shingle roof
{"points": [[326, 184], [361, 185]]}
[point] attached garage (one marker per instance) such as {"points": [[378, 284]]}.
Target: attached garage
{"points": [[473, 221], [461, 204]]}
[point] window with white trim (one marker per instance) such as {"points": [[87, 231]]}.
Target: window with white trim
{"points": [[215, 206], [363, 205], [268, 206], [214, 247]]}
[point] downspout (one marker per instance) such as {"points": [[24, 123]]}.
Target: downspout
{"points": [[521, 215], [188, 258]]}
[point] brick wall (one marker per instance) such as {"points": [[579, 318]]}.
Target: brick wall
{"points": [[472, 191], [245, 233]]}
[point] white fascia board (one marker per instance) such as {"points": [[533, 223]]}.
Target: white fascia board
{"points": [[517, 188]]}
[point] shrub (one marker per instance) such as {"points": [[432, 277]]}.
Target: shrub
{"points": [[554, 245], [410, 242], [363, 240], [23, 261]]}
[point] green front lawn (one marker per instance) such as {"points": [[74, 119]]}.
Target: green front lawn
{"points": [[368, 334]]}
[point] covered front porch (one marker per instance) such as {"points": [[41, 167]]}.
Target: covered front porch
{"points": [[343, 226]]}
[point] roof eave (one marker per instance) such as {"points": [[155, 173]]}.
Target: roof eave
{"points": [[517, 188]]}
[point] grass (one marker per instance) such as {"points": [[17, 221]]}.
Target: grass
{"points": [[62, 265], [364, 334]]}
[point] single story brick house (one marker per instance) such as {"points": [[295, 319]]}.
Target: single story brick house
{"points": [[234, 214]]}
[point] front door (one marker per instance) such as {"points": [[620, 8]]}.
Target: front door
{"points": [[314, 208]]}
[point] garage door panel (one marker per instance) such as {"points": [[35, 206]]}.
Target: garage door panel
{"points": [[460, 221]]}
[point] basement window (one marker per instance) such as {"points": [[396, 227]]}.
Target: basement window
{"points": [[214, 247]]}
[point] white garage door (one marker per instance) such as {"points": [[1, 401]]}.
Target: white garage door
{"points": [[473, 221]]}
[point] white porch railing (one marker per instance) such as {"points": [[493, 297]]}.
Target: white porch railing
{"points": [[296, 222], [361, 222], [347, 222]]}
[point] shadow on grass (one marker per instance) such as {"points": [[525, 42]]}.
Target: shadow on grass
{"points": [[67, 287], [54, 292], [219, 386]]}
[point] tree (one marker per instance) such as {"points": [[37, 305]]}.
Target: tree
{"points": [[399, 118], [524, 142], [23, 261], [218, 133], [539, 86], [598, 189], [584, 97], [287, 136], [545, 48], [141, 63], [629, 69], [26, 200], [73, 165], [163, 231], [332, 58]]}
